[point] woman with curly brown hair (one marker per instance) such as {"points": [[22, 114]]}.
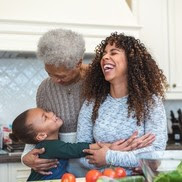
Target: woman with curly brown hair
{"points": [[124, 89]]}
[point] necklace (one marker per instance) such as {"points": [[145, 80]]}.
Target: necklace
{"points": [[77, 79], [69, 91]]}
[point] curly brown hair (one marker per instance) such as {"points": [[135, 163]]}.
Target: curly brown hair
{"points": [[145, 79]]}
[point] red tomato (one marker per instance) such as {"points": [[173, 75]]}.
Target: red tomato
{"points": [[120, 172], [109, 172], [68, 177], [92, 175]]}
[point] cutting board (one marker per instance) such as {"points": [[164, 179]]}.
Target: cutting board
{"points": [[59, 180], [127, 179]]}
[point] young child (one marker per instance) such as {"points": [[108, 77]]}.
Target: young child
{"points": [[36, 126]]}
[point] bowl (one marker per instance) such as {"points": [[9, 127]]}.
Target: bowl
{"points": [[158, 166]]}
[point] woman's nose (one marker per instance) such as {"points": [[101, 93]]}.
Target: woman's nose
{"points": [[106, 56], [50, 114]]}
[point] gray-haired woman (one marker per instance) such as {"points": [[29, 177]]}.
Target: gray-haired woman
{"points": [[62, 52]]}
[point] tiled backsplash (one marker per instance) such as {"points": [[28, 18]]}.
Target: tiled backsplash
{"points": [[19, 80]]}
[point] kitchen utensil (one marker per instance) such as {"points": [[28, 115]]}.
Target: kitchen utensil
{"points": [[176, 128], [173, 118], [179, 116]]}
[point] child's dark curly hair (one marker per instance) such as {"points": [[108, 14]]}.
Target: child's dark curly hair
{"points": [[145, 79], [21, 131]]}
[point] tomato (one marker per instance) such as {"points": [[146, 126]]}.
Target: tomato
{"points": [[92, 175], [68, 177], [109, 172], [120, 172]]}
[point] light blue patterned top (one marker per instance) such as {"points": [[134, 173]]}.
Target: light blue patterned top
{"points": [[113, 124]]}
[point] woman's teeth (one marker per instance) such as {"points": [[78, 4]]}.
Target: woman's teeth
{"points": [[108, 67]]}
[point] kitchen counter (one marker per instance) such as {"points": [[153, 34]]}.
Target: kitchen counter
{"points": [[6, 158], [127, 179], [58, 180], [173, 146]]}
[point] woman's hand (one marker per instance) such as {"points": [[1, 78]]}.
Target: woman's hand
{"points": [[133, 142], [97, 157], [41, 166]]}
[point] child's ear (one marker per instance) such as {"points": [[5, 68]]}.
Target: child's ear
{"points": [[41, 136]]}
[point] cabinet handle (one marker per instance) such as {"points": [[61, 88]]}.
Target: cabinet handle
{"points": [[174, 85]]}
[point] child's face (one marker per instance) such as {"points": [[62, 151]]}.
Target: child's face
{"points": [[44, 122]]}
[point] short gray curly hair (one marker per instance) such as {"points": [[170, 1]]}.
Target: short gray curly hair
{"points": [[61, 47]]}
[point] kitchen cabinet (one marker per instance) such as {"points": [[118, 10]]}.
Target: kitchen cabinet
{"points": [[22, 23], [175, 52], [4, 172], [14, 172], [161, 33]]}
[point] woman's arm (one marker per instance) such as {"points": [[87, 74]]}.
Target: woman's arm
{"points": [[30, 157], [155, 124], [28, 148], [133, 142], [84, 134]]}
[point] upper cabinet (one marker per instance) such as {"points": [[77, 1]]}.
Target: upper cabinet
{"points": [[175, 48], [23, 22], [161, 32]]}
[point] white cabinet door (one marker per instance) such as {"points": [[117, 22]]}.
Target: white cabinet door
{"points": [[162, 33], [18, 172], [4, 177], [175, 47], [152, 16]]}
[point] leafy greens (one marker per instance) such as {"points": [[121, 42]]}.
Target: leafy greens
{"points": [[173, 176]]}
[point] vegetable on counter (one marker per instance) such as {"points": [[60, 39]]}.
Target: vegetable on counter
{"points": [[93, 174], [68, 177], [117, 174], [173, 176], [125, 179]]}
